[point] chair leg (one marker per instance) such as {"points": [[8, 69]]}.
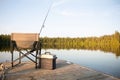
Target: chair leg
{"points": [[12, 59], [19, 58], [36, 64], [39, 58]]}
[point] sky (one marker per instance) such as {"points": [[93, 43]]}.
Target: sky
{"points": [[66, 18]]}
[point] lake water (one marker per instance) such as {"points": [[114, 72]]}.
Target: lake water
{"points": [[105, 62]]}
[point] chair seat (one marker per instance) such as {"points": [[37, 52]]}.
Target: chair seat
{"points": [[24, 40]]}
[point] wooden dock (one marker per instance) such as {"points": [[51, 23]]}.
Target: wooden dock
{"points": [[64, 71]]}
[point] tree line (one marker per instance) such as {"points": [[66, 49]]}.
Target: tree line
{"points": [[106, 43], [4, 42]]}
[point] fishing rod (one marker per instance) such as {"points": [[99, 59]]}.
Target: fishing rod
{"points": [[45, 20]]}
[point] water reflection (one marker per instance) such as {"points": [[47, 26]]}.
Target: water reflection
{"points": [[108, 48]]}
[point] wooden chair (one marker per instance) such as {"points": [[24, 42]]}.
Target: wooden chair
{"points": [[26, 44]]}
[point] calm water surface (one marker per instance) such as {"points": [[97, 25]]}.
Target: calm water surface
{"points": [[97, 60]]}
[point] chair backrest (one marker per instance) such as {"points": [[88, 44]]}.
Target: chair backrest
{"points": [[24, 40]]}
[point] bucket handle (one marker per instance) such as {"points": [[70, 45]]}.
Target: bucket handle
{"points": [[48, 53]]}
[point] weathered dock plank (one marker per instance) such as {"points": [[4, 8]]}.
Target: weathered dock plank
{"points": [[64, 71]]}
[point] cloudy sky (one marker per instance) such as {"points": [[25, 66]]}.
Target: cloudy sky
{"points": [[67, 18]]}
